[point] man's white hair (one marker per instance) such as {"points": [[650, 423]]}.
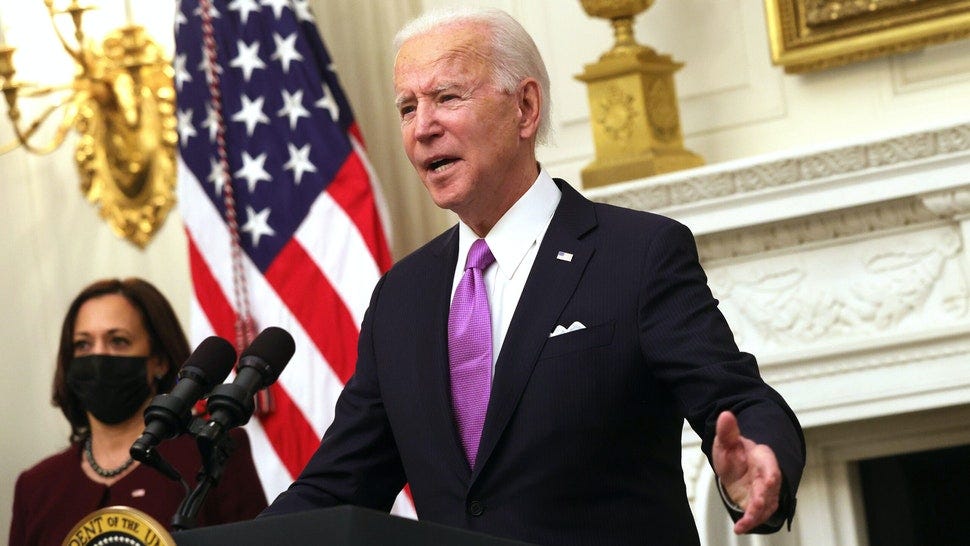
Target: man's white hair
{"points": [[514, 54]]}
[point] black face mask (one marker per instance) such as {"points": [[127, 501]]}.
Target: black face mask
{"points": [[112, 388]]}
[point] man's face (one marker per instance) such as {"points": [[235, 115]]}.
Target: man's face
{"points": [[460, 131]]}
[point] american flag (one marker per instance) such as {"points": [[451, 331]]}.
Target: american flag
{"points": [[282, 210]]}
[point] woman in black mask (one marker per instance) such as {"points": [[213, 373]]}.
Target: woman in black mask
{"points": [[121, 344]]}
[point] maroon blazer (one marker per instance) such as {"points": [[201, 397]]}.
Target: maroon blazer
{"points": [[55, 494], [582, 436]]}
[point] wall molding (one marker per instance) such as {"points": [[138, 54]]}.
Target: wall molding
{"points": [[829, 226], [732, 179]]}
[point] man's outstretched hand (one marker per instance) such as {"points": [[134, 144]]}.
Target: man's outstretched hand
{"points": [[748, 471]]}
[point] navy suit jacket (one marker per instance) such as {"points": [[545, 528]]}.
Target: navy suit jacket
{"points": [[582, 438]]}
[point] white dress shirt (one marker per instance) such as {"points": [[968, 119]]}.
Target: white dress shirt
{"points": [[514, 241]]}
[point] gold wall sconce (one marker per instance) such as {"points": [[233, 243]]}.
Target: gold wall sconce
{"points": [[633, 104], [121, 103]]}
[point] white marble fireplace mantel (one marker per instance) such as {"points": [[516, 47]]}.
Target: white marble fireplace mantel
{"points": [[846, 271]]}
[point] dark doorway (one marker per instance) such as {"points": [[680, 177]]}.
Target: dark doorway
{"points": [[918, 499]]}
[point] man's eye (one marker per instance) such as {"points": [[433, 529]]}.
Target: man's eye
{"points": [[447, 98], [406, 110]]}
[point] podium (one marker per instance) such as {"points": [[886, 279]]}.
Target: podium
{"points": [[338, 526]]}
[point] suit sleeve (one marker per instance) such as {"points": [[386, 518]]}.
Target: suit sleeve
{"points": [[357, 461], [692, 350]]}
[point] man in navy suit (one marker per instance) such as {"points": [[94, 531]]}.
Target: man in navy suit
{"points": [[604, 337]]}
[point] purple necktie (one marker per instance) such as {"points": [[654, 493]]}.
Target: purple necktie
{"points": [[470, 349]]}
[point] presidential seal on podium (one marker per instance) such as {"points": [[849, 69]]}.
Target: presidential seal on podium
{"points": [[118, 525]]}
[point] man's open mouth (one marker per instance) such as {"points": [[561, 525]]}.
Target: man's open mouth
{"points": [[437, 164]]}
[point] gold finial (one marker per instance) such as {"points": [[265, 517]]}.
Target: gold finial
{"points": [[633, 104]]}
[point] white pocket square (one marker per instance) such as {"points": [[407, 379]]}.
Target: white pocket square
{"points": [[560, 329]]}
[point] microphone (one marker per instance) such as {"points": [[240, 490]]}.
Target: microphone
{"points": [[231, 404], [169, 414]]}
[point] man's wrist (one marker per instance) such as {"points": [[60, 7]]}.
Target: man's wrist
{"points": [[785, 511], [726, 499]]}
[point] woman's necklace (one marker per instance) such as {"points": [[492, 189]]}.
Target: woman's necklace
{"points": [[89, 455]]}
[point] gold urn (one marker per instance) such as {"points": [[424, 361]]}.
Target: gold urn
{"points": [[633, 104], [621, 13]]}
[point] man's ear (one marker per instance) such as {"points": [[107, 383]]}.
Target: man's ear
{"points": [[529, 98]]}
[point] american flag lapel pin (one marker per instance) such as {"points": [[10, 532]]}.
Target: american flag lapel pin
{"points": [[564, 256]]}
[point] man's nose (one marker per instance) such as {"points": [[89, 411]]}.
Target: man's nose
{"points": [[426, 123]]}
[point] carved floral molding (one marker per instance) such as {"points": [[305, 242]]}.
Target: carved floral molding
{"points": [[875, 287], [820, 227], [687, 188], [720, 188]]}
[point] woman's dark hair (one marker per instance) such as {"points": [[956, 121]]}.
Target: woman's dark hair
{"points": [[167, 340]]}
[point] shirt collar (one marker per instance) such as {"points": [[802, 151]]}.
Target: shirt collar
{"points": [[521, 226]]}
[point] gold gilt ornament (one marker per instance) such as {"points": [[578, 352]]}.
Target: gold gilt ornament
{"points": [[122, 104], [811, 35], [633, 104]]}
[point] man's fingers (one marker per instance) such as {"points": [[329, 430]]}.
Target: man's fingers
{"points": [[727, 431], [746, 524], [760, 508], [755, 515], [749, 473], [762, 503], [728, 453]]}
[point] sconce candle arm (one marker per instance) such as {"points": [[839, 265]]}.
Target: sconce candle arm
{"points": [[24, 136], [10, 146], [38, 91], [76, 54]]}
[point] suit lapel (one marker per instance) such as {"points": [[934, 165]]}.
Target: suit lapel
{"points": [[433, 365], [549, 287]]}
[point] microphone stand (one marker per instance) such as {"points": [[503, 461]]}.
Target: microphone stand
{"points": [[215, 451], [150, 457]]}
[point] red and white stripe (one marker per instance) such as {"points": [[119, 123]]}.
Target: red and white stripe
{"points": [[332, 263]]}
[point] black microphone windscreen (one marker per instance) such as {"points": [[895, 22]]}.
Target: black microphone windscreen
{"points": [[211, 361], [273, 345]]}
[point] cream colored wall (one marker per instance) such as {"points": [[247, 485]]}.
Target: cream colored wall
{"points": [[734, 104]]}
